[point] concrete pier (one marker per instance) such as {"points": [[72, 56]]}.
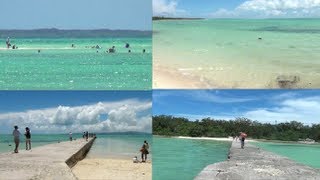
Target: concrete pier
{"points": [[52, 161], [253, 163]]}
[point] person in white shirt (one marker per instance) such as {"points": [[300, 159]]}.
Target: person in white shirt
{"points": [[16, 138]]}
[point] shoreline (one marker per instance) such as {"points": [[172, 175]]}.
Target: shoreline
{"points": [[230, 139], [112, 168], [165, 77]]}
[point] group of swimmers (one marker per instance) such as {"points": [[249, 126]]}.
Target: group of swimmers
{"points": [[109, 50], [144, 153], [16, 138]]}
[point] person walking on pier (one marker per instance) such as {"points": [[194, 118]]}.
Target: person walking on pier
{"points": [[87, 135], [16, 138], [28, 138], [242, 139]]}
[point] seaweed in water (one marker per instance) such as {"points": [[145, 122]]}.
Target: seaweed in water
{"points": [[287, 81]]}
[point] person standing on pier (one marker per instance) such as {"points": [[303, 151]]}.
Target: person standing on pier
{"points": [[16, 138], [70, 136], [87, 135]]}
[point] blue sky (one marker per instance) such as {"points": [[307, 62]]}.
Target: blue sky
{"points": [[76, 14], [262, 105], [237, 8], [76, 111]]}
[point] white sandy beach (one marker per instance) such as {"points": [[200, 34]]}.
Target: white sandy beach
{"points": [[112, 169], [214, 138]]}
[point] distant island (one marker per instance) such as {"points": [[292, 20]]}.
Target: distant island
{"points": [[158, 18], [73, 33]]}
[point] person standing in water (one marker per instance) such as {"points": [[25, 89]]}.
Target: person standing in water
{"points": [[16, 138], [28, 138], [8, 42], [144, 151]]}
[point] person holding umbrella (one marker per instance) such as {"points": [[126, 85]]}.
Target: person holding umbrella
{"points": [[242, 138]]}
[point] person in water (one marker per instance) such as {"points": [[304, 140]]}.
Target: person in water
{"points": [[144, 51], [8, 43], [127, 45], [129, 51], [16, 138], [112, 50], [144, 151], [28, 138]]}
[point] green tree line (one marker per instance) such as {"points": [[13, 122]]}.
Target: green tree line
{"points": [[178, 126]]}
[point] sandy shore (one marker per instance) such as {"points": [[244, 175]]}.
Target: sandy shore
{"points": [[214, 138], [169, 78], [112, 169]]}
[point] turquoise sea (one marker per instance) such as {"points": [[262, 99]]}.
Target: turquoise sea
{"points": [[58, 66], [240, 53], [7, 143], [307, 154], [183, 159], [123, 146]]}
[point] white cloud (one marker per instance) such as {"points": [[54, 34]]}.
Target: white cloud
{"points": [[200, 96], [306, 110], [126, 115], [272, 8], [166, 8], [285, 107]]}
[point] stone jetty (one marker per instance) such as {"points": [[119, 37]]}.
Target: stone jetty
{"points": [[52, 161], [253, 163]]}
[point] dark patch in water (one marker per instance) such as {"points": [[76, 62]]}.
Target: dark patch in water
{"points": [[287, 82], [278, 29]]}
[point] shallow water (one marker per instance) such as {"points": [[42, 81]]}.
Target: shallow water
{"points": [[302, 153], [7, 143], [123, 146], [184, 159], [229, 53], [60, 67]]}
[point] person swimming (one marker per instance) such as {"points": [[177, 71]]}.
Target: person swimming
{"points": [[127, 45], [143, 51], [129, 51], [112, 50]]}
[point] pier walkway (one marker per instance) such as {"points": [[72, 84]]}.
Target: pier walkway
{"points": [[253, 163], [52, 161]]}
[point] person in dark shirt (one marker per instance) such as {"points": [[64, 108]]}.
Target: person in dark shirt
{"points": [[87, 135], [28, 138]]}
